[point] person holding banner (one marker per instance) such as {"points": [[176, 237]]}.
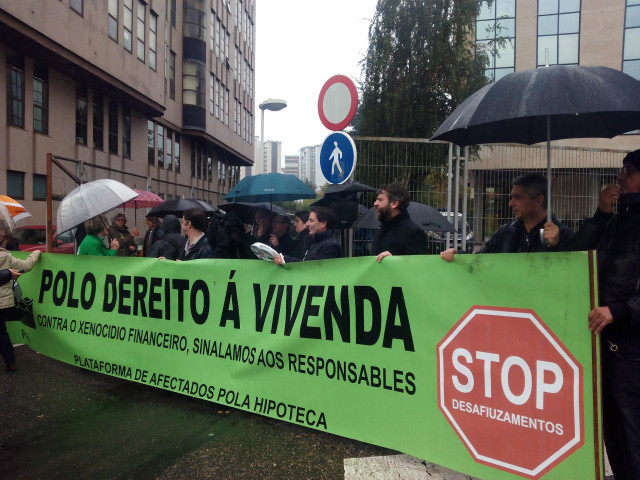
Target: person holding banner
{"points": [[322, 221], [617, 239], [93, 242], [14, 266], [397, 234], [529, 206], [194, 223]]}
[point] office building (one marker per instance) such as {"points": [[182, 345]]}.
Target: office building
{"points": [[157, 94]]}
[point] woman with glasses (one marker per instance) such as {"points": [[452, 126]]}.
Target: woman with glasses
{"points": [[280, 239], [120, 232]]}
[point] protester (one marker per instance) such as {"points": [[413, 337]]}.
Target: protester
{"points": [[120, 231], [194, 223], [617, 239], [154, 232], [93, 243], [397, 234], [263, 225], [303, 239], [171, 244], [322, 221], [14, 266], [280, 239], [529, 206], [232, 239]]}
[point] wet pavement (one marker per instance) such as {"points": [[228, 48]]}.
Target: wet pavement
{"points": [[59, 421]]}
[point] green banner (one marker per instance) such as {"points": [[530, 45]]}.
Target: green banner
{"points": [[447, 362]]}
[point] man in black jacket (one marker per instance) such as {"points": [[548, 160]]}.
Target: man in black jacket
{"points": [[529, 205], [397, 233], [194, 223], [617, 319]]}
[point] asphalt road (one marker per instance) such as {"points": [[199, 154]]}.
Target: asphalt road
{"points": [[59, 422]]}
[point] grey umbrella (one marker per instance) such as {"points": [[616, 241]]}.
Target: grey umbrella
{"points": [[91, 199], [423, 215], [548, 103]]}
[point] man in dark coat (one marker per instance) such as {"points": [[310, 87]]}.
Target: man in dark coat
{"points": [[397, 233], [617, 239], [171, 244], [529, 205], [194, 223]]}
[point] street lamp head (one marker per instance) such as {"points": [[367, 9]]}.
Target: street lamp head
{"points": [[273, 104]]}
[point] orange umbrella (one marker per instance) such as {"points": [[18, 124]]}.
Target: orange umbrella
{"points": [[17, 211]]}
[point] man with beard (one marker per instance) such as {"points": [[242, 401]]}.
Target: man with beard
{"points": [[617, 320], [529, 205], [397, 233]]}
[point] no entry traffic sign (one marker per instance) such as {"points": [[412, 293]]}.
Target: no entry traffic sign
{"points": [[337, 102], [511, 390]]}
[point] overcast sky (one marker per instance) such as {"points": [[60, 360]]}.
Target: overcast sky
{"points": [[300, 44]]}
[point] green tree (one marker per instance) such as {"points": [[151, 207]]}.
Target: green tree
{"points": [[420, 64]]}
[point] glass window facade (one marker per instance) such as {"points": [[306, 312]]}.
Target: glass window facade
{"points": [[98, 121], [15, 184], [140, 29], [15, 88], [631, 49], [112, 25], [40, 99], [558, 32], [496, 37], [81, 116]]}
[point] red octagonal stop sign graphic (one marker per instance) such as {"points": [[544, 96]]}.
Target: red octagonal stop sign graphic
{"points": [[511, 390]]}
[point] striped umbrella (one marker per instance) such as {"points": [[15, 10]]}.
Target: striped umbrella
{"points": [[17, 211]]}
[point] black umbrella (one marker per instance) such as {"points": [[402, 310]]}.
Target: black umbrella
{"points": [[176, 206], [341, 191], [423, 215], [548, 103]]}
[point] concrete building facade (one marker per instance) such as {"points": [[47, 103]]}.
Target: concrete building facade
{"points": [[310, 165], [155, 93], [292, 165]]}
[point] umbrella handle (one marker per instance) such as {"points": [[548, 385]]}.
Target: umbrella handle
{"points": [[542, 240]]}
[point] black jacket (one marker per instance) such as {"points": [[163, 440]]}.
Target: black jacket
{"points": [[286, 245], [172, 242], [301, 244], [322, 246], [400, 236], [513, 238], [201, 249], [617, 239]]}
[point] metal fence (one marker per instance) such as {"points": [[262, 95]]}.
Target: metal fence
{"points": [[578, 175]]}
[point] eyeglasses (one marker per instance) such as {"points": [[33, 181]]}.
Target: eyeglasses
{"points": [[627, 170], [280, 221]]}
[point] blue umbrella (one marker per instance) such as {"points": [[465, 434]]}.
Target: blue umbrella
{"points": [[269, 187]]}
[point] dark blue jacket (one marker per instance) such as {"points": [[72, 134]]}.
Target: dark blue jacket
{"points": [[513, 238], [322, 247]]}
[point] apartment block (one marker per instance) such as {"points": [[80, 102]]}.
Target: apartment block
{"points": [[157, 94]]}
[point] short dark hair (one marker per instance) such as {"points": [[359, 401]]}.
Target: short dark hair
{"points": [[633, 158], [302, 215], [284, 219], [396, 191], [324, 214], [197, 218], [534, 184]]}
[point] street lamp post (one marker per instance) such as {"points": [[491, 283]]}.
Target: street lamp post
{"points": [[274, 105]]}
